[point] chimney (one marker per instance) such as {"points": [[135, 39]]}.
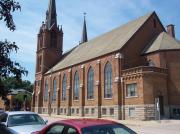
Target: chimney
{"points": [[170, 30]]}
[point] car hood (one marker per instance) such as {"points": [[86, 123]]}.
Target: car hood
{"points": [[27, 129]]}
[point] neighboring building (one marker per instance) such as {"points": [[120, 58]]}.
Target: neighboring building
{"points": [[1, 103], [13, 104], [131, 72]]}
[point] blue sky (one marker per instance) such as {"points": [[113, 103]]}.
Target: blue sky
{"points": [[102, 16]]}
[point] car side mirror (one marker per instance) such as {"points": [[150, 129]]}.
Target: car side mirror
{"points": [[46, 121]]}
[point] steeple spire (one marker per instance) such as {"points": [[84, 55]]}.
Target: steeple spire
{"points": [[84, 33], [51, 14]]}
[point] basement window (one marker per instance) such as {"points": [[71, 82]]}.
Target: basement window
{"points": [[176, 111], [77, 111], [72, 110], [104, 111], [92, 111], [87, 111], [111, 111], [131, 112]]}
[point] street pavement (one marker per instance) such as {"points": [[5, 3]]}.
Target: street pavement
{"points": [[141, 127]]}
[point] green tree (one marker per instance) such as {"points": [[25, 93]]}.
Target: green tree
{"points": [[20, 98], [7, 66], [12, 83]]}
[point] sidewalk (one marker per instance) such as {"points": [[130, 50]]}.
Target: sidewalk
{"points": [[136, 123]]}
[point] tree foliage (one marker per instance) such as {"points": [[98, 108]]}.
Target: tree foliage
{"points": [[6, 9], [8, 67], [20, 98], [13, 83]]}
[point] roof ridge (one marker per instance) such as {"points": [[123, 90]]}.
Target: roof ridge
{"points": [[135, 19], [104, 44]]}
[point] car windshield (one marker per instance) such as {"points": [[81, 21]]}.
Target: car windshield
{"points": [[25, 119], [108, 129]]}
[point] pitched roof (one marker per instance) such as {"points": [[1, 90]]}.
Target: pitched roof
{"points": [[104, 44], [163, 42]]}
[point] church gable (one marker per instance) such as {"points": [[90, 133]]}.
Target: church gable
{"points": [[133, 49]]}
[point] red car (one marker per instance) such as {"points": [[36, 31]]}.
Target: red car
{"points": [[85, 126]]}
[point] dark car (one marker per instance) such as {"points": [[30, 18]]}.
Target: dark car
{"points": [[85, 126], [6, 130], [1, 111]]}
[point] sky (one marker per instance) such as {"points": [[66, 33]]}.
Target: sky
{"points": [[102, 16]]}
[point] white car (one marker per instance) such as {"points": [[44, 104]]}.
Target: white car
{"points": [[22, 122]]}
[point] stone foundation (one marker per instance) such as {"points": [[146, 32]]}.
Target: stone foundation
{"points": [[44, 110], [37, 110], [140, 112], [110, 112], [131, 112], [91, 111], [75, 111]]}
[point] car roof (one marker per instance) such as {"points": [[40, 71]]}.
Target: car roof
{"points": [[82, 123], [19, 112]]}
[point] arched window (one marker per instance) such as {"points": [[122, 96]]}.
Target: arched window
{"points": [[46, 91], [64, 87], [54, 90], [76, 86], [108, 81], [90, 84]]}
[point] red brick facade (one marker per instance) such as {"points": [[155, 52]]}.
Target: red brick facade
{"points": [[129, 66]]}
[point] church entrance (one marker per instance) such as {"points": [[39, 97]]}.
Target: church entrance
{"points": [[161, 106]]}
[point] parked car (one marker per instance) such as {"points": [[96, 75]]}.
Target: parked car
{"points": [[6, 130], [85, 126], [22, 122], [1, 111]]}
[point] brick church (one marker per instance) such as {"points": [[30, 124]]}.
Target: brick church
{"points": [[131, 72]]}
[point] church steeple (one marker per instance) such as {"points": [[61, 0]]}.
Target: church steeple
{"points": [[50, 41], [84, 33], [51, 16]]}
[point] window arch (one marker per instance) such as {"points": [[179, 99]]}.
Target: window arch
{"points": [[76, 86], [46, 91], [64, 82], [90, 84], [108, 81], [54, 90]]}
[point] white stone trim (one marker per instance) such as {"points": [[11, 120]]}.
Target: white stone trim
{"points": [[82, 66], [69, 70], [97, 83], [81, 85], [68, 87], [98, 61], [119, 56], [116, 79]]}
